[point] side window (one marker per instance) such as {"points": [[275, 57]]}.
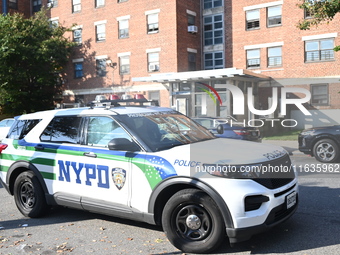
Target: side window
{"points": [[253, 19], [101, 130], [63, 129], [21, 128]]}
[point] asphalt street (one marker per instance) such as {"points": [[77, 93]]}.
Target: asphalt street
{"points": [[314, 229]]}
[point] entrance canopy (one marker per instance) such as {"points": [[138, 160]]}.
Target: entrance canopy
{"points": [[200, 75]]}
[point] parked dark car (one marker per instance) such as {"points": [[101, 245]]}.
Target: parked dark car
{"points": [[321, 142], [222, 128]]}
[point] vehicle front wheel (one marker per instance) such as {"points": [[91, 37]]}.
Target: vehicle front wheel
{"points": [[29, 196], [193, 222], [326, 151]]}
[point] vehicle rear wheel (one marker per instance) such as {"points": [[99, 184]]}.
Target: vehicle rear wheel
{"points": [[29, 196], [326, 151], [193, 222]]}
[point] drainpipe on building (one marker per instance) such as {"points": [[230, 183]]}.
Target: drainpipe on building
{"points": [[4, 7]]}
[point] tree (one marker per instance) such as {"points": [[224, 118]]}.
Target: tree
{"points": [[33, 52], [320, 11]]}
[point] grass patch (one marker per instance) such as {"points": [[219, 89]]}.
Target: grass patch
{"points": [[286, 136]]}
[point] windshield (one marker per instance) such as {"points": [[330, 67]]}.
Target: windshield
{"points": [[164, 130]]}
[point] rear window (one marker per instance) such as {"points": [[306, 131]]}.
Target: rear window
{"points": [[21, 128], [64, 129]]}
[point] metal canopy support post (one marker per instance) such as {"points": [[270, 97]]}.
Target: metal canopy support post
{"points": [[4, 7]]}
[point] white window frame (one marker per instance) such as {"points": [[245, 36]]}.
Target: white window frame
{"points": [[153, 59], [321, 54], [253, 19], [76, 5], [274, 60], [100, 28], [152, 20], [124, 63], [253, 62], [274, 19], [99, 3], [123, 27]]}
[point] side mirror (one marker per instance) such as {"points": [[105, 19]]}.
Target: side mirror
{"points": [[220, 129], [122, 144]]}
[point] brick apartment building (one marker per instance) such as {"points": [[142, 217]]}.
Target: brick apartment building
{"points": [[172, 50]]}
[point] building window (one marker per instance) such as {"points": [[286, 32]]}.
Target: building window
{"points": [[192, 61], [77, 35], [274, 14], [253, 19], [152, 20], [191, 20], [54, 23], [76, 5], [101, 67], [123, 28], [213, 30], [100, 33], [36, 5], [153, 61], [78, 70], [13, 4], [320, 94], [319, 50], [275, 56], [213, 60], [308, 14], [124, 64], [154, 95], [121, 1], [208, 4], [253, 58], [52, 3], [100, 3]]}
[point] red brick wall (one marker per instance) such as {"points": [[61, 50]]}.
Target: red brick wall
{"points": [[293, 48], [173, 39]]}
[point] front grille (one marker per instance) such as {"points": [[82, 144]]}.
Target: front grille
{"points": [[274, 179]]}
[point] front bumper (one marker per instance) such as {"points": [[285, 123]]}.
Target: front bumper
{"points": [[305, 145], [276, 216]]}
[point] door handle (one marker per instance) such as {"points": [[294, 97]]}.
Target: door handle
{"points": [[90, 154], [39, 147]]}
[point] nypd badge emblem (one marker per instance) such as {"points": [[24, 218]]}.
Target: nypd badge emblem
{"points": [[119, 177]]}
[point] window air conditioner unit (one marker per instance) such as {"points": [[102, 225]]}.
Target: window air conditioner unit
{"points": [[153, 67], [50, 4], [192, 29]]}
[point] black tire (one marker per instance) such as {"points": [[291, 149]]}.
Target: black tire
{"points": [[326, 151], [29, 196], [193, 222]]}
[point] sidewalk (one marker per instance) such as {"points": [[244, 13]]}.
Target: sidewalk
{"points": [[291, 146]]}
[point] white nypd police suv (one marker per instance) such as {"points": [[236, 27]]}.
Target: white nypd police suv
{"points": [[150, 164]]}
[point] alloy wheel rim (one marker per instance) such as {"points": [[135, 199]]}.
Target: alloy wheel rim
{"points": [[325, 151]]}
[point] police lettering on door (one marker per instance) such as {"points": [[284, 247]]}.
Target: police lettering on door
{"points": [[95, 174]]}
